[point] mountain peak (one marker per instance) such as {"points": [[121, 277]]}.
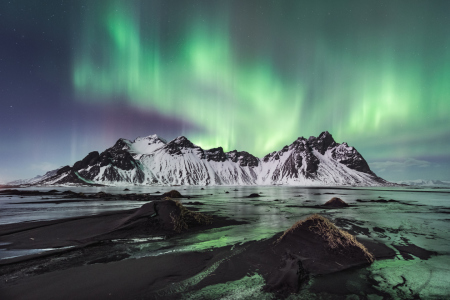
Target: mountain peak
{"points": [[182, 141], [181, 138], [322, 142], [147, 144], [121, 144], [244, 158], [325, 134], [154, 138], [216, 154]]}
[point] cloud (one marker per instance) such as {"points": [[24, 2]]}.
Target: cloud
{"points": [[44, 166], [382, 166]]}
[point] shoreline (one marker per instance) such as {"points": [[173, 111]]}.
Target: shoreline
{"points": [[105, 261]]}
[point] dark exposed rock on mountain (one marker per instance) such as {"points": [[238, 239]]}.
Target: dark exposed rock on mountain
{"points": [[63, 170], [151, 160], [245, 159], [90, 159], [216, 154], [351, 158], [323, 142]]}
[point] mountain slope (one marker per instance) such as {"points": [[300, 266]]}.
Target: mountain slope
{"points": [[153, 161], [34, 180]]}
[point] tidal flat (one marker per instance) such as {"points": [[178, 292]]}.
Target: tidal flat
{"points": [[50, 246]]}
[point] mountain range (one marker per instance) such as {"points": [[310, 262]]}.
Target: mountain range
{"points": [[152, 160], [425, 182]]}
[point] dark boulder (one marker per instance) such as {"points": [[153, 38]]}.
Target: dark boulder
{"points": [[253, 195], [173, 194], [336, 203]]}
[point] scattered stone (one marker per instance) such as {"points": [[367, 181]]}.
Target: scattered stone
{"points": [[253, 195], [378, 229], [195, 203]]}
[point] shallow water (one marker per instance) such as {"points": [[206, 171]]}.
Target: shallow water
{"points": [[425, 223]]}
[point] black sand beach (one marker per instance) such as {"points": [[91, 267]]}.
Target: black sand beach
{"points": [[92, 257]]}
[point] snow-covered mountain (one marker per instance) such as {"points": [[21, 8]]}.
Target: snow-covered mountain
{"points": [[153, 161], [34, 180], [422, 182]]}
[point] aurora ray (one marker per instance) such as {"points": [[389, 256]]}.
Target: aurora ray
{"points": [[361, 87], [246, 75]]}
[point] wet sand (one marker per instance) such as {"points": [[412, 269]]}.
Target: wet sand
{"points": [[96, 273], [99, 266]]}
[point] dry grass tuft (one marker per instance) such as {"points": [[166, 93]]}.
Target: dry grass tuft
{"points": [[187, 217], [338, 240]]}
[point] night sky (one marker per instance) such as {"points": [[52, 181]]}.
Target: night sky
{"points": [[248, 75]]}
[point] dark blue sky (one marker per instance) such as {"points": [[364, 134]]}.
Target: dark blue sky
{"points": [[249, 75]]}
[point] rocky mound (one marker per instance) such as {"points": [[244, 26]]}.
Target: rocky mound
{"points": [[320, 230], [172, 194], [313, 246], [156, 213], [167, 215], [336, 202]]}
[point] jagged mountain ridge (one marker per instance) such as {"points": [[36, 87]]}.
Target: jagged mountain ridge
{"points": [[154, 161], [35, 179], [425, 182]]}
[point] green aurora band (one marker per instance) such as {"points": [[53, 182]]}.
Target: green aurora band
{"points": [[363, 88]]}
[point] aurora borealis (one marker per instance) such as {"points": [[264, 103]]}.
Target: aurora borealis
{"points": [[246, 75]]}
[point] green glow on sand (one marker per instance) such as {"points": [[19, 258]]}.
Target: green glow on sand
{"points": [[363, 91]]}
